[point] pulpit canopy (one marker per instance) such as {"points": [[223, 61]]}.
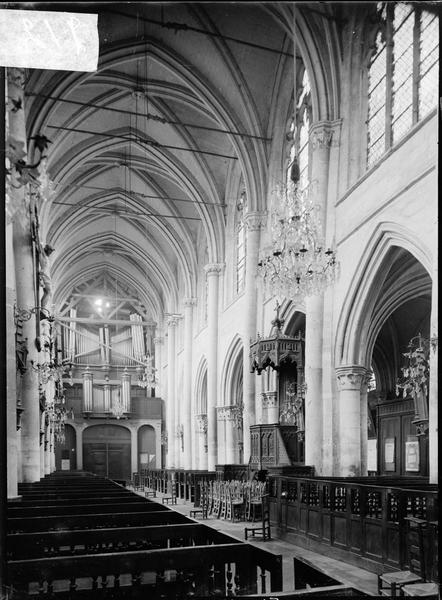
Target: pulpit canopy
{"points": [[277, 349]]}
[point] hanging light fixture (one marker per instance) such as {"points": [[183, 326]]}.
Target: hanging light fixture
{"points": [[297, 262], [147, 374], [118, 407]]}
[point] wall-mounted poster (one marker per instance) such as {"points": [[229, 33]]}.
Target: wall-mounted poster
{"points": [[412, 453], [389, 454], [372, 456]]}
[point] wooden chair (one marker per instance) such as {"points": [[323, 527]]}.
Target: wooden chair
{"points": [[428, 589], [236, 501], [172, 498], [204, 502], [393, 583], [264, 530], [254, 500]]}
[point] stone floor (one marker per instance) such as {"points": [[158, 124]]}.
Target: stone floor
{"points": [[351, 575]]}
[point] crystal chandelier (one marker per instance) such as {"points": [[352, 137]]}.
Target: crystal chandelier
{"points": [[147, 375], [298, 263], [118, 407]]}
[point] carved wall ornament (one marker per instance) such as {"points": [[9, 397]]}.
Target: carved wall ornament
{"points": [[214, 268], [351, 377], [269, 399], [325, 134], [254, 221]]}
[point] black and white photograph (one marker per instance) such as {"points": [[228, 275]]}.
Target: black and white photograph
{"points": [[219, 316]]}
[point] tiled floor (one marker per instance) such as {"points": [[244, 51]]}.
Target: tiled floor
{"points": [[348, 574]]}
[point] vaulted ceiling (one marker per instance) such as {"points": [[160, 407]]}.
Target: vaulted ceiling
{"points": [[148, 152]]}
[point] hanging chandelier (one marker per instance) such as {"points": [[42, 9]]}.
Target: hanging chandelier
{"points": [[147, 375], [298, 263], [118, 408]]}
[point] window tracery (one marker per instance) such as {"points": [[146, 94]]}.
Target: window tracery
{"points": [[402, 75]]}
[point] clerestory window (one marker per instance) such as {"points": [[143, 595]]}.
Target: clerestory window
{"points": [[403, 75]]}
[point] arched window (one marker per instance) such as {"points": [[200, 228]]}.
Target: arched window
{"points": [[403, 75], [299, 136], [240, 244]]}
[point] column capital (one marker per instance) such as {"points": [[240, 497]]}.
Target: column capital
{"points": [[201, 423], [269, 399], [255, 221], [16, 76], [189, 302], [225, 413], [158, 341], [214, 269], [172, 320], [352, 377], [325, 134]]}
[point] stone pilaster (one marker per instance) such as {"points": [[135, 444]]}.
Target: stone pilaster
{"points": [[189, 304], [201, 429], [351, 381], [171, 417], [254, 222], [213, 272]]}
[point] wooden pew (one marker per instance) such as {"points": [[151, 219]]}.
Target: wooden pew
{"points": [[73, 501], [224, 569], [95, 520], [42, 511], [92, 541]]}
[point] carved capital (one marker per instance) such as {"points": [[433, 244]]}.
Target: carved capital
{"points": [[325, 134], [158, 341], [225, 413], [352, 377], [190, 302], [254, 221], [201, 423], [16, 76], [269, 399], [172, 320], [214, 269]]}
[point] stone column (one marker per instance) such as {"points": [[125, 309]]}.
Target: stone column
{"points": [[321, 138], [172, 322], [201, 424], [158, 364], [350, 379], [47, 448], [52, 448], [433, 449], [134, 450], [254, 222], [227, 414], [212, 273], [30, 431], [125, 391], [11, 375], [42, 443], [270, 407], [189, 303], [79, 442], [87, 391]]}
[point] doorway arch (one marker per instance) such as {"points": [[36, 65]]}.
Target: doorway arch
{"points": [[146, 447], [66, 453], [107, 451]]}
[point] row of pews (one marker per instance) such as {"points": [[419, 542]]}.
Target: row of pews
{"points": [[76, 535]]}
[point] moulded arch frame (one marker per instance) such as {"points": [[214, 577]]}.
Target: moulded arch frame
{"points": [[354, 323]]}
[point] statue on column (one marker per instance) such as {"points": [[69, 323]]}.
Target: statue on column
{"points": [[45, 275]]}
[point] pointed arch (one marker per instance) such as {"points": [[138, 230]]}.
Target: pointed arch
{"points": [[231, 374], [357, 325]]}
